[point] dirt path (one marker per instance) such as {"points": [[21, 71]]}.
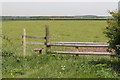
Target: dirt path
{"points": [[89, 49]]}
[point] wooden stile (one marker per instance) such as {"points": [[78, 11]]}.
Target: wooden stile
{"points": [[24, 42]]}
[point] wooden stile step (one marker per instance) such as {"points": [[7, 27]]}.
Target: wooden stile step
{"points": [[83, 53], [38, 50]]}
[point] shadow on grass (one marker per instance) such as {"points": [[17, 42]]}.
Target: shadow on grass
{"points": [[110, 63]]}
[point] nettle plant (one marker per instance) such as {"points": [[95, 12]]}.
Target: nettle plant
{"points": [[113, 32]]}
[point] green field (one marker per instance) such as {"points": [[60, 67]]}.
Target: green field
{"points": [[75, 31], [55, 66]]}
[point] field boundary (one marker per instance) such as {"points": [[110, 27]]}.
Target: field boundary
{"points": [[49, 44]]}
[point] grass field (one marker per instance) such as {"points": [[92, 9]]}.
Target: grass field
{"points": [[56, 66], [85, 31]]}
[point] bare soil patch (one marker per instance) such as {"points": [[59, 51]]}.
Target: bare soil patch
{"points": [[89, 49]]}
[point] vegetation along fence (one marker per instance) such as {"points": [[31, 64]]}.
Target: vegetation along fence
{"points": [[49, 44]]}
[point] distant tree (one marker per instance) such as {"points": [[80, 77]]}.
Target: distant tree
{"points": [[113, 31]]}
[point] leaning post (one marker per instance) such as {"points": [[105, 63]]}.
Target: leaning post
{"points": [[47, 38], [24, 42]]}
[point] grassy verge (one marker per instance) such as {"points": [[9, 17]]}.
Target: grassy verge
{"points": [[60, 66]]}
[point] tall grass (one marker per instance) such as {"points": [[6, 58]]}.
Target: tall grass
{"points": [[60, 66]]}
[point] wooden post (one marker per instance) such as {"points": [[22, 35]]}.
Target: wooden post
{"points": [[77, 50], [47, 39], [24, 42]]}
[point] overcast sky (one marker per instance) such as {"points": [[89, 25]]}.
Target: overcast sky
{"points": [[58, 8], [59, 0]]}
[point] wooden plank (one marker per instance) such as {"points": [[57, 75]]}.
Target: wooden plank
{"points": [[24, 42], [83, 53], [78, 45], [38, 43], [35, 37], [90, 43]]}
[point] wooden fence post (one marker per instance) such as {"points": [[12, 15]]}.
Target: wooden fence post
{"points": [[77, 48], [24, 42], [47, 39]]}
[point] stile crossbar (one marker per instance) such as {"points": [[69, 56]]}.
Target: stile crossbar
{"points": [[38, 43], [35, 37], [49, 44]]}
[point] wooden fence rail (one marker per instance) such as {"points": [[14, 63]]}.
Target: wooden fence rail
{"points": [[83, 53], [79, 44], [38, 43], [35, 37]]}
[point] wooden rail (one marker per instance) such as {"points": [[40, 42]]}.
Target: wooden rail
{"points": [[79, 44], [38, 43], [83, 53], [34, 37]]}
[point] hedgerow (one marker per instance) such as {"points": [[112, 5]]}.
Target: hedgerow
{"points": [[113, 32]]}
